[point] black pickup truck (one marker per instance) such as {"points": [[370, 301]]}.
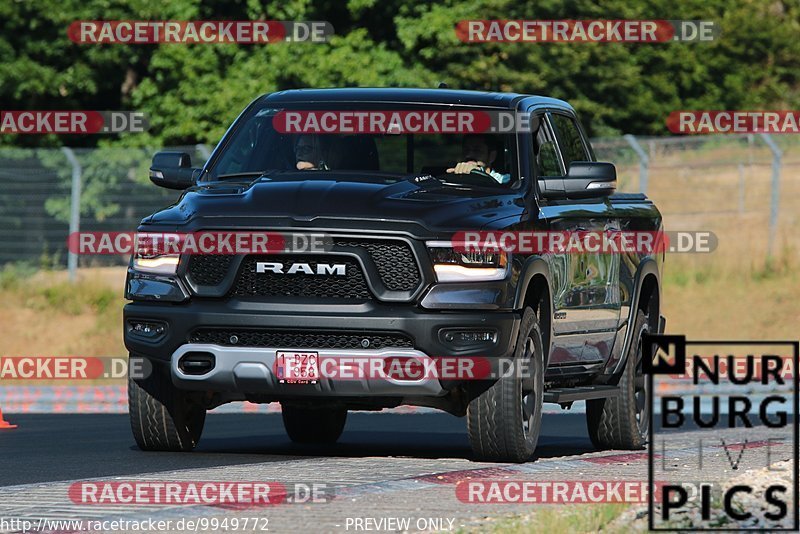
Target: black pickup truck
{"points": [[390, 283]]}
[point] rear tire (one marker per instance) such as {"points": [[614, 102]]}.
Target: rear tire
{"points": [[504, 422], [313, 425], [623, 422], [163, 418]]}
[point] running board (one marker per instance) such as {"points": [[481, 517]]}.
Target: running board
{"points": [[561, 395]]}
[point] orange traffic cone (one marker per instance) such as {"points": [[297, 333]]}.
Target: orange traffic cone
{"points": [[4, 423]]}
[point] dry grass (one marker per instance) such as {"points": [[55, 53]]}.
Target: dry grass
{"points": [[738, 291], [43, 314], [704, 297], [758, 304]]}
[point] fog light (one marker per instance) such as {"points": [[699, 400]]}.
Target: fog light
{"points": [[465, 338], [146, 329]]}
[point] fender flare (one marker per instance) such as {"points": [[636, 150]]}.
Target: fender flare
{"points": [[533, 266], [646, 268]]}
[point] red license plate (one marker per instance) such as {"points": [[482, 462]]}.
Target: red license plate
{"points": [[297, 367]]}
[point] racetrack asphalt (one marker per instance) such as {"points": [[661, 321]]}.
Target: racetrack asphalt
{"points": [[53, 447], [386, 465]]}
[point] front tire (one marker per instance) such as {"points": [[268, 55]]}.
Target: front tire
{"points": [[163, 418], [313, 425], [504, 422], [623, 422]]}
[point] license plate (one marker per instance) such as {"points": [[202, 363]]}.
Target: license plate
{"points": [[297, 367]]}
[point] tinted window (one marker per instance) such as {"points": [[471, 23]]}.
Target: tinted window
{"points": [[569, 137], [546, 154]]}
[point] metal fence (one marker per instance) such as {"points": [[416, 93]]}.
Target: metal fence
{"points": [[46, 194], [742, 187]]}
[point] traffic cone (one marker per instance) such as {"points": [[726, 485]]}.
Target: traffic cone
{"points": [[5, 424]]}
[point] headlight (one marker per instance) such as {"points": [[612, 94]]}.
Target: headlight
{"points": [[148, 260], [452, 265]]}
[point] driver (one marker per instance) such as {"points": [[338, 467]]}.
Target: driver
{"points": [[309, 153], [479, 154]]}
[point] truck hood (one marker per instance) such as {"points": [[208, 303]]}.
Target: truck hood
{"points": [[315, 203]]}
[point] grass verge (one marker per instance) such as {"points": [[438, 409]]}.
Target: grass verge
{"points": [[555, 519], [43, 314]]}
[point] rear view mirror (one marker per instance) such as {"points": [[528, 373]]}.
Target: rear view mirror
{"points": [[172, 170], [585, 179]]}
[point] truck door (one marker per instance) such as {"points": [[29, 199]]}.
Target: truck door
{"points": [[585, 284]]}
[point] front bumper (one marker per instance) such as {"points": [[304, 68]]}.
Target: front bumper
{"points": [[249, 369]]}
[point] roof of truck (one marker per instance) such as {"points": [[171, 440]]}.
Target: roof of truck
{"points": [[410, 96]]}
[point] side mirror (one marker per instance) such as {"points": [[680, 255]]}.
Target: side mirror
{"points": [[585, 179], [172, 170]]}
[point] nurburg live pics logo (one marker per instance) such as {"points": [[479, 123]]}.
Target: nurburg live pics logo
{"points": [[759, 389]]}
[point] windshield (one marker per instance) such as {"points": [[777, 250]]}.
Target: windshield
{"points": [[257, 147]]}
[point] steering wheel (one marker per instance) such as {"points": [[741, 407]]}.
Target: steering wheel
{"points": [[477, 177]]}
